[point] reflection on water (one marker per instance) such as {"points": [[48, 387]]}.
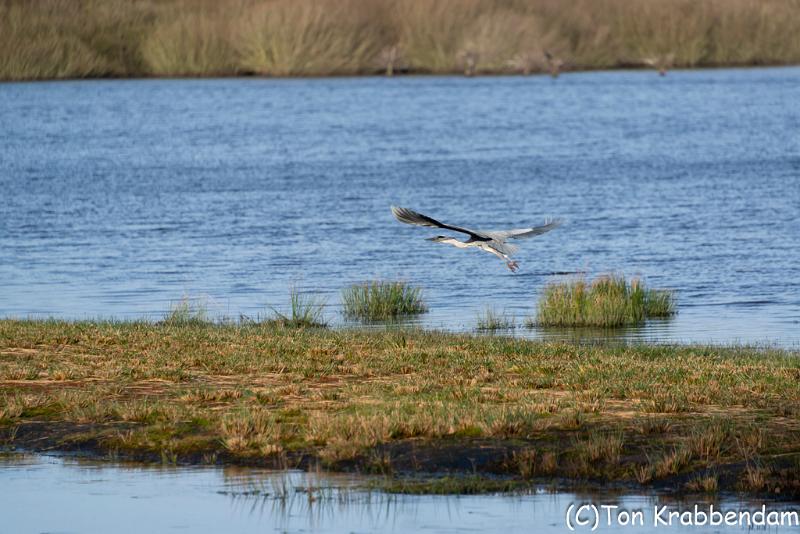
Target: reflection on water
{"points": [[51, 494], [121, 196]]}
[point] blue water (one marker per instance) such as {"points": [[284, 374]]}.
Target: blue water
{"points": [[50, 494], [121, 197]]}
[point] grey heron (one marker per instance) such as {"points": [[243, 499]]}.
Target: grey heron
{"points": [[390, 58], [469, 58], [554, 64], [523, 62], [660, 63], [492, 241]]}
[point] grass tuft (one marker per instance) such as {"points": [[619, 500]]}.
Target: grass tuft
{"points": [[306, 312], [186, 312], [491, 320], [608, 301], [703, 484], [382, 300]]}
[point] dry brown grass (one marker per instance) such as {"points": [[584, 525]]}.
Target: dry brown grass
{"points": [[672, 463], [85, 38], [755, 477], [703, 484], [191, 43], [308, 38], [65, 39]]}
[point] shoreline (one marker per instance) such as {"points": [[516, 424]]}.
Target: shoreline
{"points": [[432, 412], [455, 478], [451, 482], [403, 75]]}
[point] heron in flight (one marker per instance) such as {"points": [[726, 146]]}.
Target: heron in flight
{"points": [[554, 64], [492, 241], [660, 63]]}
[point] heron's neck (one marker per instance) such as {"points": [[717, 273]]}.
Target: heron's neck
{"points": [[455, 242]]}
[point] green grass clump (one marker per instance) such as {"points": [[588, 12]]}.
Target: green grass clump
{"points": [[306, 312], [381, 300], [491, 320], [186, 312], [608, 301], [659, 303]]}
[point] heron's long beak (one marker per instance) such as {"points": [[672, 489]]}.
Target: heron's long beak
{"points": [[431, 238]]}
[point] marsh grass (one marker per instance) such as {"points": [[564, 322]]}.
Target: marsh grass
{"points": [[491, 320], [312, 38], [187, 311], [250, 392], [249, 430], [381, 300], [755, 477], [608, 301], [659, 303], [450, 485], [598, 447], [672, 463], [305, 311], [190, 43], [84, 38], [704, 484]]}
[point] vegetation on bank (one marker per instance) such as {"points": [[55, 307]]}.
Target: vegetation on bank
{"points": [[305, 311], [120, 38], [491, 320], [399, 402], [381, 300], [187, 311], [608, 301]]}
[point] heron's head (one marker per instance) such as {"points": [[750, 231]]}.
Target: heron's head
{"points": [[439, 239]]}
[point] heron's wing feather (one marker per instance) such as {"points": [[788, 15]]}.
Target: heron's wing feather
{"points": [[522, 233], [408, 216], [504, 248]]}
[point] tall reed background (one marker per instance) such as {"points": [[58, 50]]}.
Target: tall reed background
{"points": [[45, 39]]}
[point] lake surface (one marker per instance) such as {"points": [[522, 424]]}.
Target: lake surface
{"points": [[52, 494], [121, 197]]}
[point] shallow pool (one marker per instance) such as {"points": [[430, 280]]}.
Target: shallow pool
{"points": [[59, 495]]}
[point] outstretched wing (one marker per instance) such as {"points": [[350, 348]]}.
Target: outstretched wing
{"points": [[504, 248], [408, 216], [522, 233]]}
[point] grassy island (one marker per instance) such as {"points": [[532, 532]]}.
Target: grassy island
{"points": [[608, 301], [505, 412]]}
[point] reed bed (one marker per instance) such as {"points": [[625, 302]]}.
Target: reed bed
{"points": [[608, 301], [380, 300], [50, 39]]}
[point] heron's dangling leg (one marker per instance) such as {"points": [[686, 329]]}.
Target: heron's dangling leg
{"points": [[512, 265]]}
